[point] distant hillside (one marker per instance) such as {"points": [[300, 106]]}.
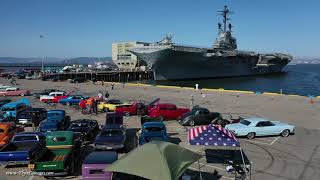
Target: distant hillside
{"points": [[28, 60], [87, 60]]}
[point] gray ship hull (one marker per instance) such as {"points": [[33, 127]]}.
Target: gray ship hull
{"points": [[169, 64]]}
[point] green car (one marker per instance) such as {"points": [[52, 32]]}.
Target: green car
{"points": [[63, 150]]}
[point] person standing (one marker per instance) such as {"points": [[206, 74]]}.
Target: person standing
{"points": [[106, 95], [112, 86], [95, 106]]}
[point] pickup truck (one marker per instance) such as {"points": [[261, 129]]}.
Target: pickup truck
{"points": [[24, 148], [59, 116], [61, 156], [32, 116], [152, 129], [167, 111], [7, 131], [136, 108], [53, 97]]}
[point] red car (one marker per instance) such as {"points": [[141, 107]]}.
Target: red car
{"points": [[167, 111], [137, 108], [14, 91]]}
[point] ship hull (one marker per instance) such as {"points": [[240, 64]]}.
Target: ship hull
{"points": [[169, 64]]}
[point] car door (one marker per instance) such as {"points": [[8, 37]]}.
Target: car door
{"points": [[259, 129], [206, 117]]}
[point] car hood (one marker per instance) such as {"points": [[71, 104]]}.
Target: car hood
{"points": [[109, 139], [235, 126], [79, 129], [185, 115]]}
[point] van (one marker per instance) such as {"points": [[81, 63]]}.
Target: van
{"points": [[12, 109]]}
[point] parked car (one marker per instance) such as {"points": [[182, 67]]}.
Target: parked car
{"points": [[71, 100], [53, 97], [114, 118], [14, 91], [24, 148], [59, 116], [152, 129], [49, 126], [32, 116], [201, 116], [109, 105], [252, 127], [85, 128], [167, 111], [111, 137], [136, 108], [4, 101], [33, 77], [45, 92], [93, 166], [78, 80], [61, 156], [13, 109], [4, 87], [7, 131]]}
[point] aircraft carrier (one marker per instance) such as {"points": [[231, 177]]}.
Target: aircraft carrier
{"points": [[170, 61]]}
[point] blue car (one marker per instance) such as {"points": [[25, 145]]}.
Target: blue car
{"points": [[252, 127], [153, 131], [49, 126], [13, 109], [59, 116], [71, 100]]}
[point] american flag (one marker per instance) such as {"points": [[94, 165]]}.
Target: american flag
{"points": [[212, 135]]}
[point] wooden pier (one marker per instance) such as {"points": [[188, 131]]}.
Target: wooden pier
{"points": [[107, 76]]}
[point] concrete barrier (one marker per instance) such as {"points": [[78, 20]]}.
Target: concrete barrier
{"points": [[172, 87], [190, 88], [294, 95], [272, 94]]}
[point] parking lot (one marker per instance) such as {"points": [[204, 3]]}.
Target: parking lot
{"points": [[294, 157]]}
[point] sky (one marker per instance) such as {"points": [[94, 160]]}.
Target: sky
{"points": [[74, 28]]}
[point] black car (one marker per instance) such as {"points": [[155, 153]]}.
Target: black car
{"points": [[57, 78], [78, 80], [32, 116], [84, 128], [45, 92], [201, 116], [4, 101]]}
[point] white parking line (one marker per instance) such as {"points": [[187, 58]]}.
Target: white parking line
{"points": [[274, 140], [259, 141]]}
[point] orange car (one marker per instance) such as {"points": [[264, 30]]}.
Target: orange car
{"points": [[7, 131]]}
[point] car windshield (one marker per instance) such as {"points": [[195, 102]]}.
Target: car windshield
{"points": [[111, 132], [154, 129], [8, 109], [245, 122], [25, 138], [79, 125], [54, 114]]}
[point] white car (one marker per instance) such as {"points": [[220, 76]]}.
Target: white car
{"points": [[52, 95]]}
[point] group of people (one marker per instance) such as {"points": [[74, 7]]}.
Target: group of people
{"points": [[91, 104]]}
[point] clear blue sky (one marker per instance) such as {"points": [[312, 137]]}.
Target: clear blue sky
{"points": [[75, 28]]}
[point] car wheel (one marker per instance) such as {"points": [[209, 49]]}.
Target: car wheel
{"points": [[68, 104], [191, 123], [251, 135], [285, 133], [21, 94]]}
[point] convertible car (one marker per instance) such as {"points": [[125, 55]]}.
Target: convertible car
{"points": [[110, 105], [252, 127]]}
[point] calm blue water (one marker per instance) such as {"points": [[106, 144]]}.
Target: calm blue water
{"points": [[302, 79]]}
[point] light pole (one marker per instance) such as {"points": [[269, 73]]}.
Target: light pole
{"points": [[42, 65]]}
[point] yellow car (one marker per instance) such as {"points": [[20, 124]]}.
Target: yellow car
{"points": [[109, 105]]}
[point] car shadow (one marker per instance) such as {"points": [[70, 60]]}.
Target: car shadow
{"points": [[131, 140], [195, 175]]}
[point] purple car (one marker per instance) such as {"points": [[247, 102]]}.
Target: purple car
{"points": [[95, 163]]}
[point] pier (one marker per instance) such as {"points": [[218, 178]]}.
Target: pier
{"points": [[107, 76]]}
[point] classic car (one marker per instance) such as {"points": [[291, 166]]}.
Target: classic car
{"points": [[252, 127], [13, 109], [7, 131], [86, 128], [167, 111], [93, 166], [45, 92], [136, 108], [111, 137], [59, 116], [62, 154], [24, 148], [4, 87], [14, 91], [33, 77], [49, 126], [71, 100], [152, 129], [32, 116], [201, 116], [53, 97], [109, 105], [4, 101]]}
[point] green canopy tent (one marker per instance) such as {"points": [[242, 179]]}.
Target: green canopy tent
{"points": [[156, 160]]}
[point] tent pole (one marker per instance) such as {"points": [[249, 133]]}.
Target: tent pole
{"points": [[199, 170], [245, 168]]}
